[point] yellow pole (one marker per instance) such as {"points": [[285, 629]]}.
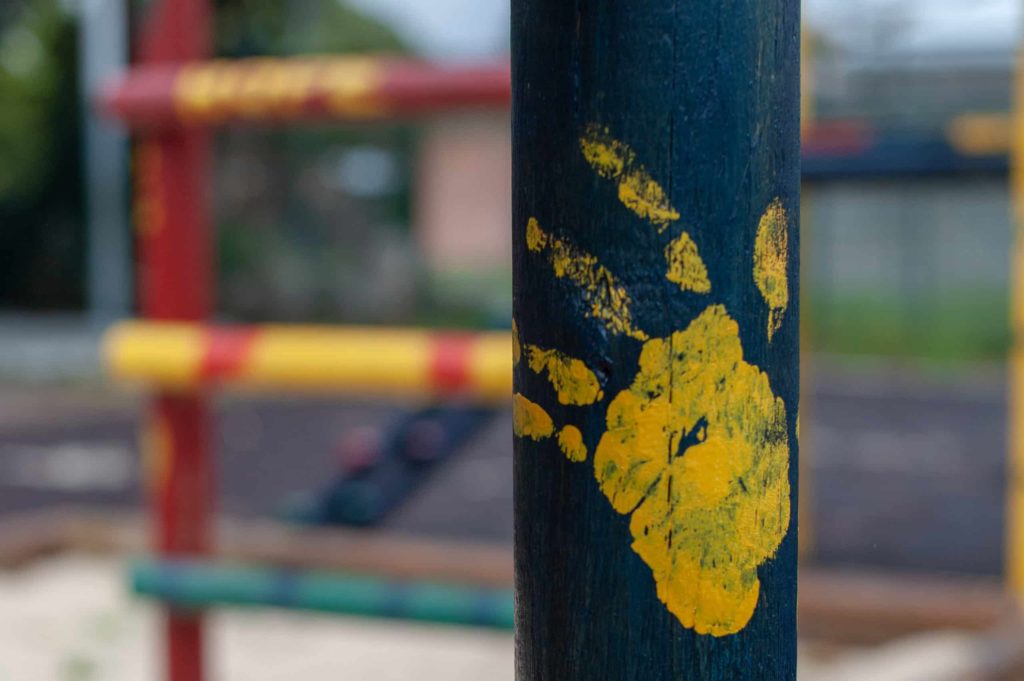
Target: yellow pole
{"points": [[805, 515], [377, 362], [1015, 486], [806, 78]]}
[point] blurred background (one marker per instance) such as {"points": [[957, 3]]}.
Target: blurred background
{"points": [[907, 237]]}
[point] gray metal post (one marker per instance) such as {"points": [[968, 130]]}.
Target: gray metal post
{"points": [[103, 50]]}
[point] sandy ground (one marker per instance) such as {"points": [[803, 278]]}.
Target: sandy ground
{"points": [[71, 619]]}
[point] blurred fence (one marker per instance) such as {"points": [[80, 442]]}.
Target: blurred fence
{"points": [[908, 266]]}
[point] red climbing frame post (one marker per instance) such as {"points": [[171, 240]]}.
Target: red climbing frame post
{"points": [[176, 284]]}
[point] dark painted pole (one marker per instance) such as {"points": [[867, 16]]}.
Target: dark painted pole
{"points": [[656, 252]]}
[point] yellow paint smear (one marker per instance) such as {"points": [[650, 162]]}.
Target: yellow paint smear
{"points": [[574, 382], [205, 90], [274, 86], [157, 452], [260, 87], [697, 451], [148, 211], [530, 420], [771, 257], [517, 349], [685, 266], [352, 83], [570, 441], [638, 191], [608, 300]]}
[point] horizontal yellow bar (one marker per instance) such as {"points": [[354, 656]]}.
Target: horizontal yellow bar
{"points": [[981, 134], [354, 360]]}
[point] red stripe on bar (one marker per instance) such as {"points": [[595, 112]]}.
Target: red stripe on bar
{"points": [[226, 351], [449, 362], [837, 138], [412, 87]]}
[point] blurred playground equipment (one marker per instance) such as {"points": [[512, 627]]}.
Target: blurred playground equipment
{"points": [[169, 99], [381, 467], [188, 584]]}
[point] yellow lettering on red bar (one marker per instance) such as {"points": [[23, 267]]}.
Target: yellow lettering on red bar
{"points": [[351, 86], [255, 88]]}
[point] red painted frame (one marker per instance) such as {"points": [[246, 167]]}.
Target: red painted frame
{"points": [[176, 259], [148, 97], [176, 269]]}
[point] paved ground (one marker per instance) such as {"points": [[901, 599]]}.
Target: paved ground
{"points": [[907, 467]]}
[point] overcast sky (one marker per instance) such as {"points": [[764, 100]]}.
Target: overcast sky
{"points": [[468, 29], [932, 25], [452, 29]]}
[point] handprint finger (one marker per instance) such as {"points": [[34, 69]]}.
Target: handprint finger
{"points": [[685, 266], [531, 420], [638, 191], [771, 258], [609, 302], [574, 382]]}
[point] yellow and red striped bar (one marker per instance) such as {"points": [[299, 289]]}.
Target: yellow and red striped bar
{"points": [[379, 362], [332, 88]]}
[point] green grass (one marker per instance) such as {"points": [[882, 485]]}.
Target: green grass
{"points": [[969, 326]]}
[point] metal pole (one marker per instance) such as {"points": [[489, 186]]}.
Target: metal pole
{"points": [[355, 89], [1015, 483], [103, 50], [176, 284], [807, 114], [199, 584], [656, 260], [384, 362]]}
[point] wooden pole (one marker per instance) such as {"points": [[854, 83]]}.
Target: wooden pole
{"points": [[656, 349], [176, 282]]}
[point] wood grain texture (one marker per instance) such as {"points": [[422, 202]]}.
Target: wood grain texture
{"points": [[705, 94]]}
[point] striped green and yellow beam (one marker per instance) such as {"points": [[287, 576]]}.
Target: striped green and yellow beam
{"points": [[194, 584], [377, 362]]}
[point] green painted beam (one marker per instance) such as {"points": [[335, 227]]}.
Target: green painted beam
{"points": [[193, 584], [655, 236]]}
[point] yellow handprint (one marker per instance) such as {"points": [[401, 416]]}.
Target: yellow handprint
{"points": [[696, 450]]}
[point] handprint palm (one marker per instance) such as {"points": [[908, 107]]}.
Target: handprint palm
{"points": [[696, 450]]}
